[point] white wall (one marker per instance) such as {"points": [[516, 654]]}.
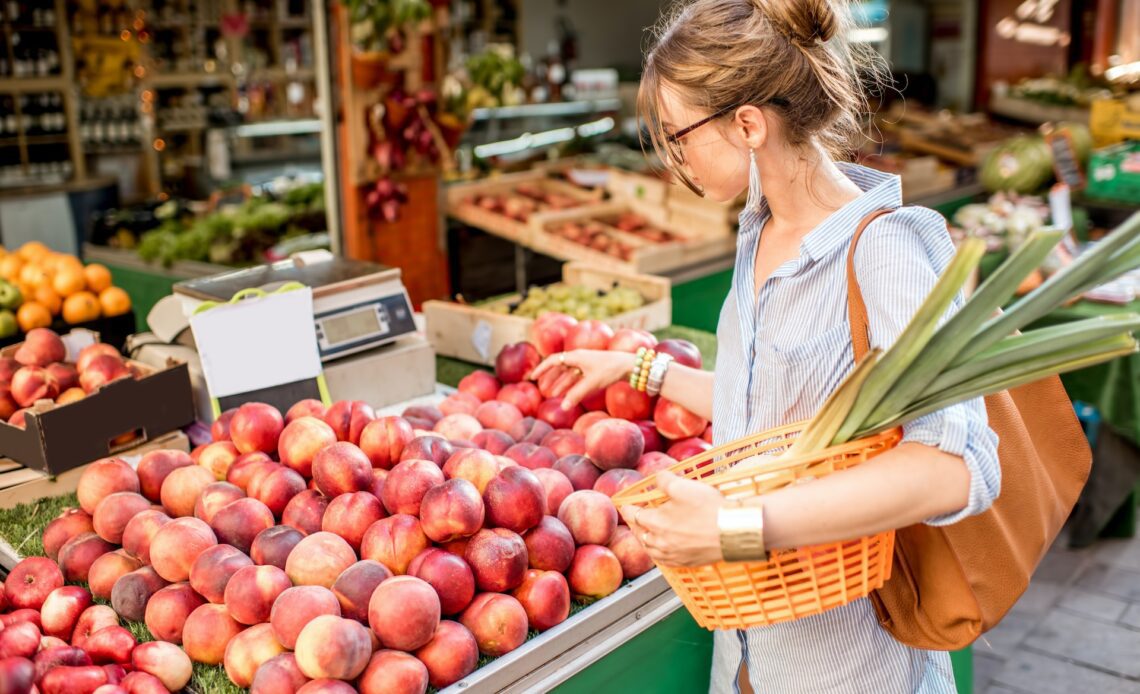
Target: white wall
{"points": [[611, 33]]}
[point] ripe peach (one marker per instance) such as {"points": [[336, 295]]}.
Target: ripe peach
{"points": [[515, 499], [31, 580], [615, 443], [394, 542], [109, 568], [279, 674], [476, 466], [451, 655], [246, 467], [348, 419], [449, 575], [114, 512], [133, 591], [429, 447], [653, 462], [550, 546], [167, 610], [240, 521], [19, 418], [623, 402], [458, 427], [589, 334], [393, 672], [48, 658], [272, 546], [182, 487], [493, 441], [613, 481], [556, 487], [155, 466], [342, 468], [458, 403], [350, 515], [220, 429], [354, 587], [551, 412], [256, 426], [17, 674], [583, 423], [594, 573], [653, 439], [429, 413], [530, 430], [248, 650], [319, 559], [103, 478], [102, 369], [515, 362], [497, 558], [707, 436], [687, 448], [481, 384], [298, 606], [631, 339], [32, 383], [218, 457], [61, 610], [498, 415], [40, 347], [407, 483], [675, 422], [69, 523], [277, 488], [80, 552], [214, 497], [306, 408], [590, 516], [548, 332], [498, 622], [207, 632], [326, 685], [330, 646], [531, 456], [683, 351], [383, 440], [305, 511], [300, 442], [251, 592], [564, 442], [65, 377], [177, 545], [545, 596], [523, 395], [168, 663], [404, 612], [451, 510], [19, 641], [112, 645], [631, 554]]}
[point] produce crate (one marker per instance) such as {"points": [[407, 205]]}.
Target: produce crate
{"points": [[533, 186], [476, 333], [639, 255], [702, 217], [1114, 173], [627, 185]]}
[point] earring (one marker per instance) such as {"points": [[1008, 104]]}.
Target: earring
{"points": [[754, 190]]}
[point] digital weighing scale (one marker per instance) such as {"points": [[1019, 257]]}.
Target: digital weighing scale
{"points": [[357, 305]]}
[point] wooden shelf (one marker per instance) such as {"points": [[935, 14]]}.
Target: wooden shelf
{"points": [[23, 85]]}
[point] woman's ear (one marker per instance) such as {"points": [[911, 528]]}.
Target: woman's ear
{"points": [[751, 124]]}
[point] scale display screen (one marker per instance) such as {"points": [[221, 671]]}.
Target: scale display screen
{"points": [[352, 326]]}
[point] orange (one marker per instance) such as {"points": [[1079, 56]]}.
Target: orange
{"points": [[33, 315], [34, 275], [33, 250], [81, 307], [10, 267], [69, 280], [48, 297], [64, 261], [114, 301], [98, 277]]}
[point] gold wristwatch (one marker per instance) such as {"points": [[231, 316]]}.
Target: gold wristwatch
{"points": [[741, 532]]}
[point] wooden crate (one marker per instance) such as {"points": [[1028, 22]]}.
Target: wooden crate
{"points": [[647, 257], [476, 333], [459, 203], [628, 186], [699, 216]]}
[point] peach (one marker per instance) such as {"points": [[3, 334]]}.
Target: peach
{"points": [[549, 545], [272, 546], [515, 362], [456, 547], [66, 397], [394, 542], [133, 591], [207, 632], [556, 487], [623, 402], [308, 407], [168, 663], [220, 429], [177, 545], [631, 554], [218, 457], [89, 352], [653, 462], [383, 440], [653, 439], [109, 568], [564, 442], [69, 523], [481, 384], [8, 367], [19, 418], [23, 615], [246, 467], [139, 682], [240, 521], [84, 678], [17, 674], [9, 406], [61, 610], [430, 447], [449, 575], [687, 448], [675, 422], [256, 426], [613, 481], [548, 332], [277, 488], [614, 443], [631, 339], [51, 657], [551, 412], [66, 378], [350, 515], [305, 511], [531, 456], [330, 646], [429, 413], [342, 468], [497, 558], [140, 531], [167, 610], [296, 607], [493, 441], [498, 622], [451, 655], [476, 466], [251, 592], [348, 419], [393, 672], [80, 552], [683, 351], [182, 487], [114, 512], [498, 415], [515, 499], [112, 645], [589, 334], [326, 685], [524, 395], [102, 369], [590, 516], [248, 650], [279, 674], [300, 442], [40, 347], [319, 559], [19, 640], [583, 423], [530, 430], [31, 581], [458, 427], [707, 436], [545, 596], [404, 612], [354, 587], [458, 403], [595, 573], [103, 478], [155, 466], [451, 510], [213, 498], [32, 383], [407, 483]]}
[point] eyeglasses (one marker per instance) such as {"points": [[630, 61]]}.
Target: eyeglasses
{"points": [[677, 153]]}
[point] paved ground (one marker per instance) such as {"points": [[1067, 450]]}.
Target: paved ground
{"points": [[1076, 630]]}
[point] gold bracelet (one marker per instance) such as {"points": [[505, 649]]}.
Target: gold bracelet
{"points": [[643, 372], [741, 532]]}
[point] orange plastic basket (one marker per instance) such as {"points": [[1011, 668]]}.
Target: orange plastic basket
{"points": [[792, 583]]}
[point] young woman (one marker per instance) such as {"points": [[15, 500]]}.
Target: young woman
{"points": [[764, 95]]}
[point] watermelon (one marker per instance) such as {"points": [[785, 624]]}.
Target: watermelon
{"points": [[1022, 164]]}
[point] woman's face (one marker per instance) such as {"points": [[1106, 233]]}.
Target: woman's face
{"points": [[715, 159]]}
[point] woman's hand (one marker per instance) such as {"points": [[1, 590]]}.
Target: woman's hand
{"points": [[583, 371], [683, 531]]}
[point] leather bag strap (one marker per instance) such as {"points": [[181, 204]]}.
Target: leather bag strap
{"points": [[856, 308]]}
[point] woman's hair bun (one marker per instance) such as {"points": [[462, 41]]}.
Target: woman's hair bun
{"points": [[802, 21]]}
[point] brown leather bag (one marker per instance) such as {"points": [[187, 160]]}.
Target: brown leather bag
{"points": [[950, 584]]}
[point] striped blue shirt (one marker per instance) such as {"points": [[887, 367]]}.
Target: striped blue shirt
{"points": [[779, 356]]}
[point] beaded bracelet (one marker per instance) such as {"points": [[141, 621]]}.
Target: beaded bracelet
{"points": [[639, 377], [657, 369]]}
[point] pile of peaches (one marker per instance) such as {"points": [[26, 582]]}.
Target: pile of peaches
{"points": [[332, 550]]}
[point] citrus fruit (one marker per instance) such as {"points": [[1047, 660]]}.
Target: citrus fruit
{"points": [[81, 307], [69, 280], [114, 301], [33, 314], [98, 277]]}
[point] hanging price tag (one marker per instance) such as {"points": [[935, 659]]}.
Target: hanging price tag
{"points": [[1066, 163]]}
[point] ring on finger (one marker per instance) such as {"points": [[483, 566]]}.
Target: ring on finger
{"points": [[645, 538], [562, 359]]}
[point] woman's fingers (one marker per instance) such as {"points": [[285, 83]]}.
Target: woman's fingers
{"points": [[546, 365]]}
